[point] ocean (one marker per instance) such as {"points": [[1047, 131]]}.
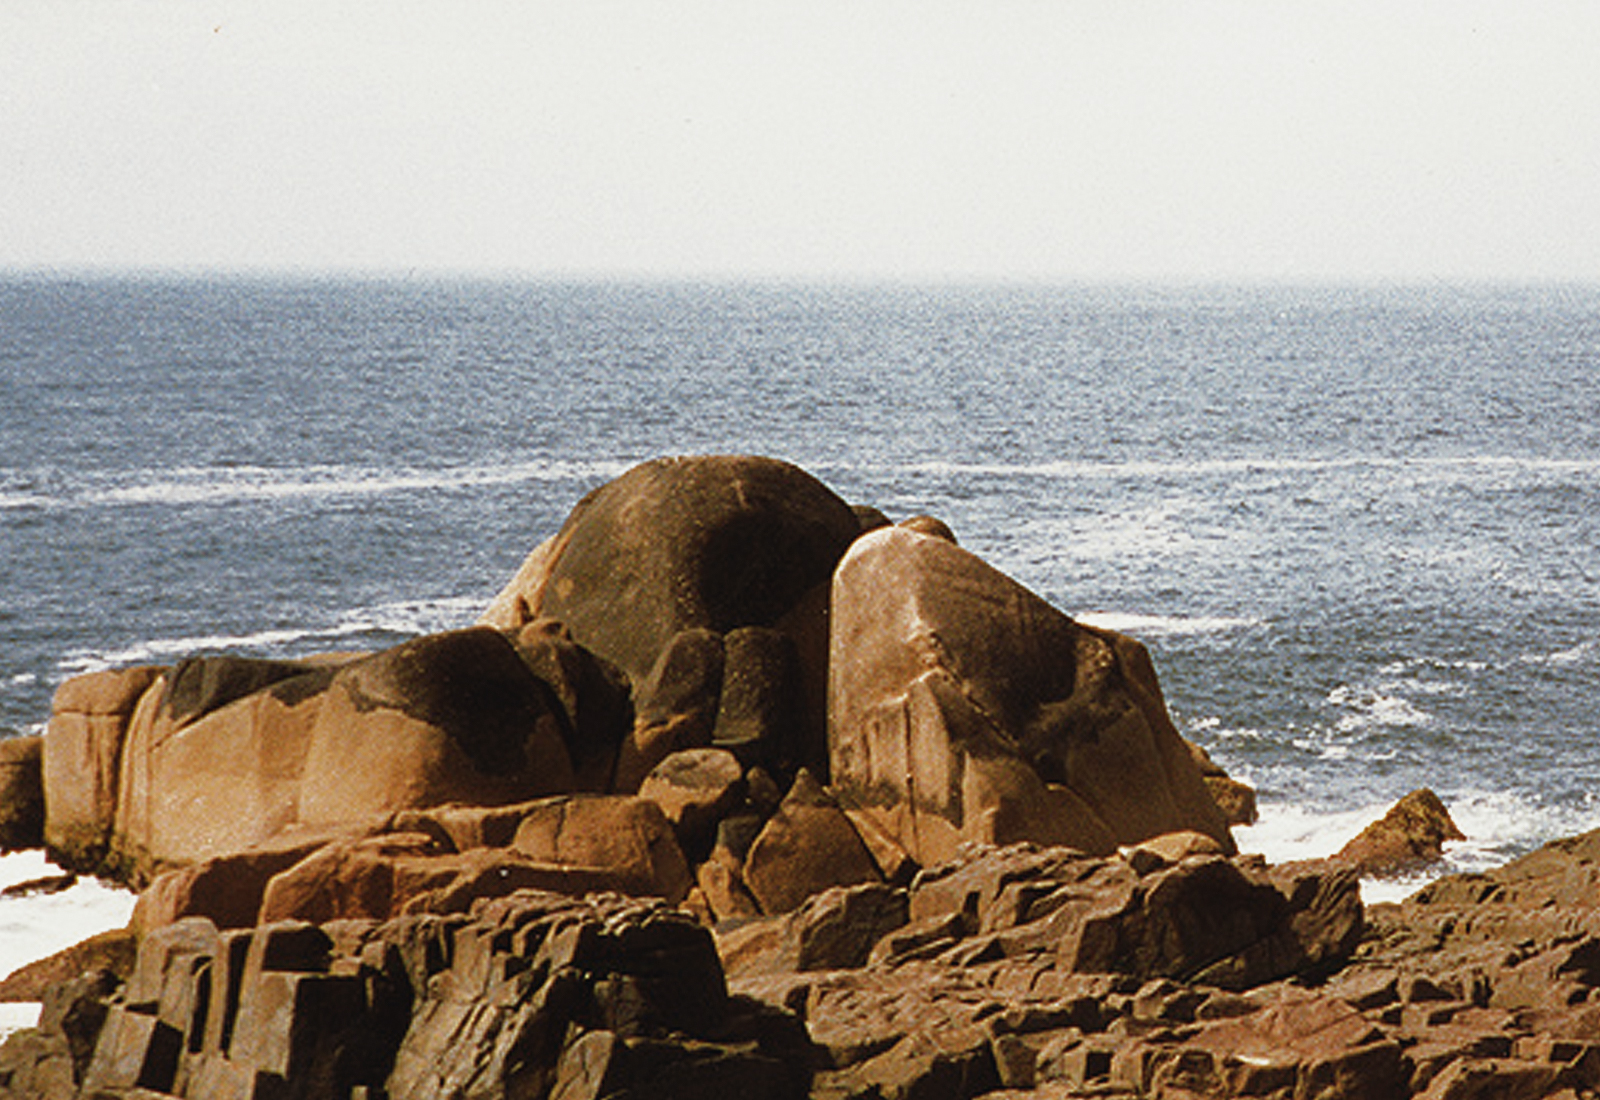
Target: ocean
{"points": [[1356, 525]]}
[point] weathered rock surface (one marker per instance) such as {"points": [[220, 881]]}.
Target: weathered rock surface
{"points": [[676, 544], [1236, 800], [1408, 838], [808, 846], [531, 995], [1000, 873], [83, 760], [21, 793], [221, 755], [964, 708], [981, 993]]}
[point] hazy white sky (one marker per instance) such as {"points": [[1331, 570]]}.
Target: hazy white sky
{"points": [[1046, 138]]}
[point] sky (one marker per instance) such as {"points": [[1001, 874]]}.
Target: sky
{"points": [[996, 139]]}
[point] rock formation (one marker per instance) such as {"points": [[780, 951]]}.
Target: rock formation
{"points": [[1409, 837], [948, 840], [964, 708]]}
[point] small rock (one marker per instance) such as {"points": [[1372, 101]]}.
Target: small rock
{"points": [[1409, 837]]}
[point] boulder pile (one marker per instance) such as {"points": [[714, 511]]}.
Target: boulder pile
{"points": [[948, 839]]}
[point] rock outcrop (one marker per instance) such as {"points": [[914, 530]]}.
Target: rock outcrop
{"points": [[83, 760], [21, 793], [1409, 837], [949, 839], [531, 995], [964, 708], [703, 544]]}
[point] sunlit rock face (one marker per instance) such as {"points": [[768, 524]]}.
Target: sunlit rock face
{"points": [[963, 707]]}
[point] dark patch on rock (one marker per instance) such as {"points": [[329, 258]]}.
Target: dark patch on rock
{"points": [[470, 684], [199, 685]]}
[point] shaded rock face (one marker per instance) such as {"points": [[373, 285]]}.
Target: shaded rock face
{"points": [[962, 707], [704, 544], [456, 717], [531, 995], [677, 544], [21, 793]]}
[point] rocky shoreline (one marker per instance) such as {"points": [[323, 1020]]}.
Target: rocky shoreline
{"points": [[737, 787]]}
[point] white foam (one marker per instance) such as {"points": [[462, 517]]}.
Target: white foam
{"points": [[1371, 707], [1469, 465], [1572, 655], [1163, 625], [39, 925], [237, 484], [409, 617]]}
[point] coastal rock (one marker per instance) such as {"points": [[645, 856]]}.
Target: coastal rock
{"points": [[1408, 838], [386, 876], [675, 706], [211, 762], [701, 543], [21, 793], [1235, 799], [807, 846], [226, 889], [529, 993], [758, 705], [454, 717], [679, 543], [593, 695], [111, 952], [1564, 874], [696, 789], [628, 838], [82, 761], [964, 708]]}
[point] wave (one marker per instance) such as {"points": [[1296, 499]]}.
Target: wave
{"points": [[381, 622], [1135, 468], [1572, 655], [1163, 625], [222, 485], [1372, 707], [219, 485]]}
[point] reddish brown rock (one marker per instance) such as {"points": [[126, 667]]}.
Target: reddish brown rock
{"points": [[964, 708], [676, 706], [1236, 800], [806, 847], [21, 793], [593, 695], [512, 607], [1408, 838], [228, 889], [383, 877], [696, 789], [111, 951], [211, 767], [82, 761], [627, 838], [713, 542], [455, 717], [725, 893]]}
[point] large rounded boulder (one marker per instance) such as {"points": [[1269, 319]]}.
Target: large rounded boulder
{"points": [[714, 542], [963, 707], [695, 544]]}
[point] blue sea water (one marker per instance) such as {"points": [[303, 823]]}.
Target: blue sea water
{"points": [[1357, 526]]}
